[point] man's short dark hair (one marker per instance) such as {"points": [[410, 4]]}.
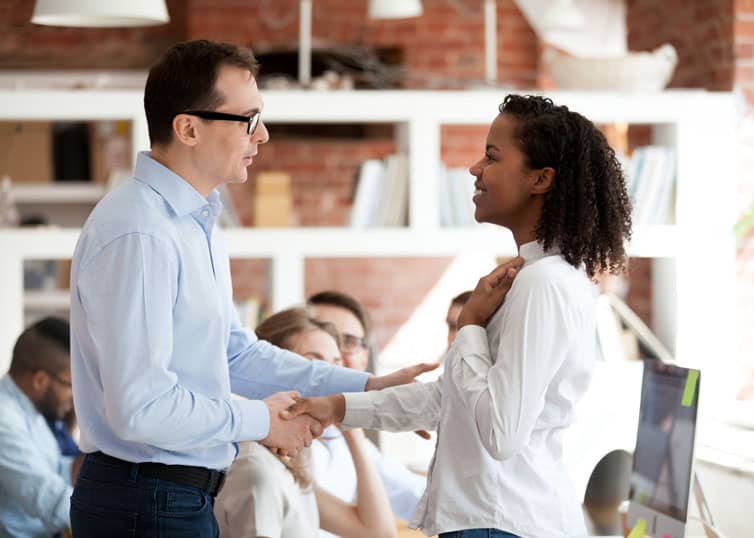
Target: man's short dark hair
{"points": [[461, 299], [45, 345], [184, 79], [345, 301]]}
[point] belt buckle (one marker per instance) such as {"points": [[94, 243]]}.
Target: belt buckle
{"points": [[216, 482], [220, 482]]}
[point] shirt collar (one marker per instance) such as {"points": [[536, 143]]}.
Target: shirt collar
{"points": [[176, 191], [9, 386], [533, 251]]}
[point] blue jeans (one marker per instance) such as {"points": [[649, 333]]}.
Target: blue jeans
{"points": [[477, 533], [115, 501]]}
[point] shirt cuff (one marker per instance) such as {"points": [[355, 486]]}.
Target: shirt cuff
{"points": [[347, 380], [359, 409], [473, 347], [66, 465], [254, 417]]}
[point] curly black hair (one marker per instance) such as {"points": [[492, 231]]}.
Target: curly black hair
{"points": [[587, 212]]}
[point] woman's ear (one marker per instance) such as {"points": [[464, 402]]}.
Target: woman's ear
{"points": [[543, 181], [184, 130]]}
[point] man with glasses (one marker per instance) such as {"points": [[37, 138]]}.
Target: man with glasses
{"points": [[35, 478], [157, 346]]}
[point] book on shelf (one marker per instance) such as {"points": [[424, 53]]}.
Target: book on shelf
{"points": [[250, 312], [456, 192], [381, 195], [651, 178]]}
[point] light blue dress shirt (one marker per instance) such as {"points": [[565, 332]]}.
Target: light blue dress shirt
{"points": [[156, 343], [35, 478]]}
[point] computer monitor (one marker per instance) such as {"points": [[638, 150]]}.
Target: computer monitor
{"points": [[664, 455]]}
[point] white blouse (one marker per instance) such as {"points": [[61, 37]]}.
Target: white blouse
{"points": [[261, 498], [500, 408]]}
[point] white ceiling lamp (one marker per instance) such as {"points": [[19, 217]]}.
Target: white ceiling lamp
{"points": [[100, 13], [394, 9], [563, 14]]}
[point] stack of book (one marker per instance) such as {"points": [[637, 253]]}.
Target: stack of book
{"points": [[651, 178], [381, 198], [456, 190]]}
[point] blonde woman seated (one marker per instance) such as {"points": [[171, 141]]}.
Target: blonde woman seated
{"points": [[273, 496]]}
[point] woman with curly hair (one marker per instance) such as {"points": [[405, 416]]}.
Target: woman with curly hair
{"points": [[515, 372]]}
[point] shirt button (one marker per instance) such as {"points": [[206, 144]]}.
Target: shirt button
{"points": [[205, 213]]}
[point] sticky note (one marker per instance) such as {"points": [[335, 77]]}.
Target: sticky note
{"points": [[690, 388], [639, 529]]}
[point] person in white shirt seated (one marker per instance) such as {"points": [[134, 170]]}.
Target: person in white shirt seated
{"points": [[515, 372], [333, 469], [271, 495]]}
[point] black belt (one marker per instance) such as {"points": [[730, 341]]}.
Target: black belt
{"points": [[207, 480]]}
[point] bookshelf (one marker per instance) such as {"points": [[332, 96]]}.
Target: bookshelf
{"points": [[694, 272]]}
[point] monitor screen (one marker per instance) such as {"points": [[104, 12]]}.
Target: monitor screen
{"points": [[661, 473]]}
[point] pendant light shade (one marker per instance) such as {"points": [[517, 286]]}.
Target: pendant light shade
{"points": [[100, 13], [563, 14], [394, 9]]}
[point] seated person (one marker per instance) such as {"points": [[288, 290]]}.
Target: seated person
{"points": [[35, 478], [333, 468], [271, 495]]}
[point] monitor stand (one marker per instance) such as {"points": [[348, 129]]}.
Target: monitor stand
{"points": [[704, 512]]}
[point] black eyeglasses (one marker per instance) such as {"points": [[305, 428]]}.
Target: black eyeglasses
{"points": [[251, 121], [349, 342]]}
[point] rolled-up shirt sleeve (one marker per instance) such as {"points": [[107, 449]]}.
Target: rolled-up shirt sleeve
{"points": [[402, 408], [506, 397]]}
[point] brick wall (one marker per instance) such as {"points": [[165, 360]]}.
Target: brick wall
{"points": [[442, 48], [390, 288], [701, 31], [29, 46]]}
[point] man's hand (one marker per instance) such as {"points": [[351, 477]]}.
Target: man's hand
{"points": [[325, 409], [489, 294], [399, 377], [291, 435]]}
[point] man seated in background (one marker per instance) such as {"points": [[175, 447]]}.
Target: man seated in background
{"points": [[35, 478]]}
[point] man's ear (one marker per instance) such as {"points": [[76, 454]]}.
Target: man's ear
{"points": [[39, 381], [184, 129], [543, 180]]}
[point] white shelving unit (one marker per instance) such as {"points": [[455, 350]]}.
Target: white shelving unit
{"points": [[694, 274]]}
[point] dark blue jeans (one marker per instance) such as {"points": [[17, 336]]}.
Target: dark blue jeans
{"points": [[114, 501], [478, 533]]}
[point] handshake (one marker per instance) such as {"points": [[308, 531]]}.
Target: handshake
{"points": [[295, 421]]}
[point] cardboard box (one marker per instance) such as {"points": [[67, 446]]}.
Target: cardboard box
{"points": [[272, 202], [26, 151]]}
